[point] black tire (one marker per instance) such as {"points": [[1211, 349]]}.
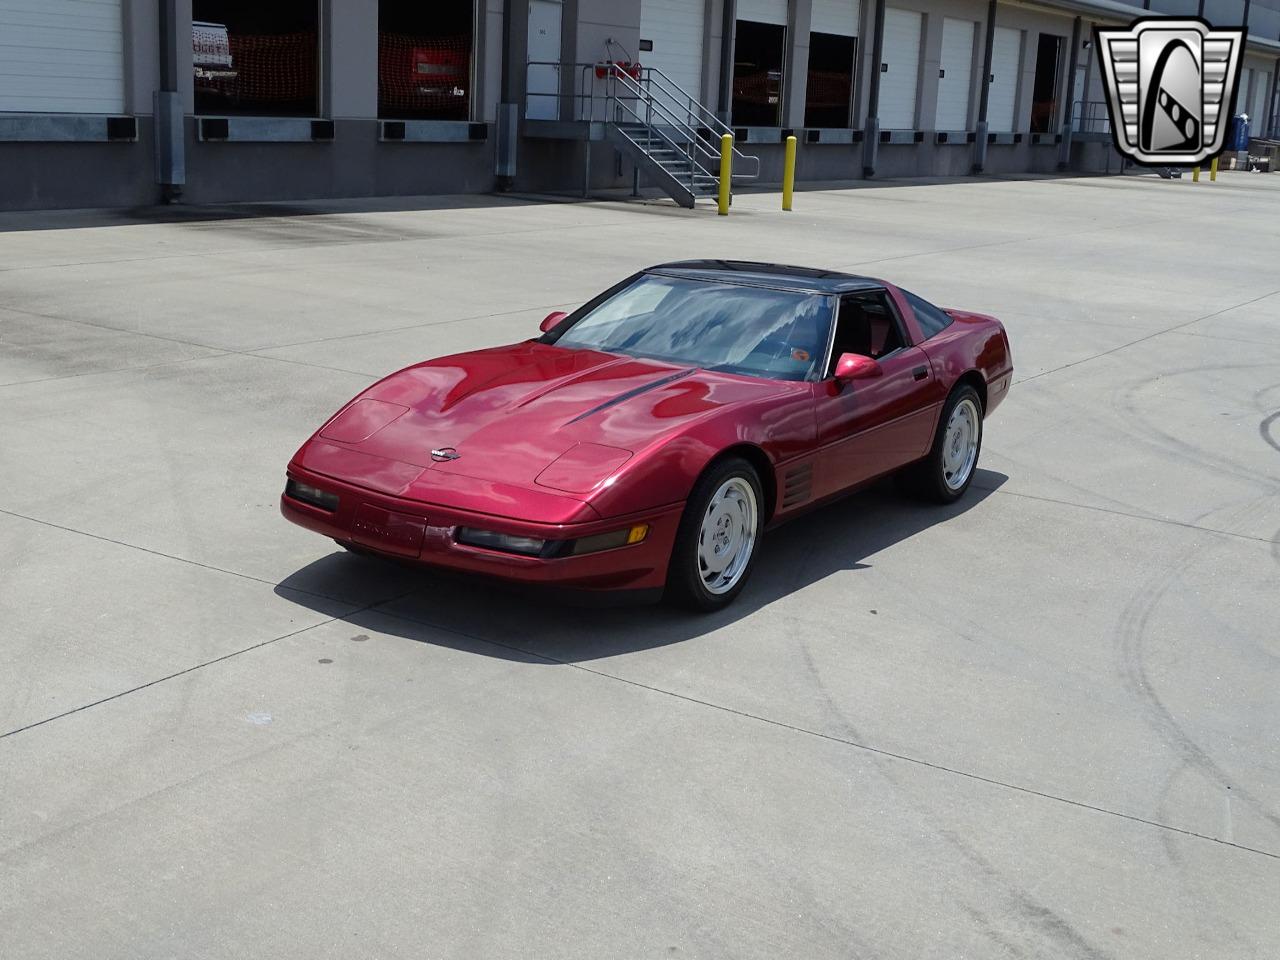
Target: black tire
{"points": [[685, 585], [927, 479]]}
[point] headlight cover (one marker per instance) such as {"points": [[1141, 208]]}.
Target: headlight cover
{"points": [[504, 542], [313, 496], [548, 549]]}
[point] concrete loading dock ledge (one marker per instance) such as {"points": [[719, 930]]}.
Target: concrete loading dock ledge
{"points": [[213, 101]]}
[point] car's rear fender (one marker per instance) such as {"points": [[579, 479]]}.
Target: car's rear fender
{"points": [[975, 344]]}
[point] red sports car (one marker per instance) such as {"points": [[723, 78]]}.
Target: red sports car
{"points": [[645, 441]]}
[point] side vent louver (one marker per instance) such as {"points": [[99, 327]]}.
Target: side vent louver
{"points": [[797, 485]]}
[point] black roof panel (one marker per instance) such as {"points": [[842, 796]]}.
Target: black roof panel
{"points": [[768, 275]]}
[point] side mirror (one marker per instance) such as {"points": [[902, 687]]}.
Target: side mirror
{"points": [[551, 319], [855, 366]]}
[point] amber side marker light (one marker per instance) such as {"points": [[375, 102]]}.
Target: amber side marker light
{"points": [[608, 541]]}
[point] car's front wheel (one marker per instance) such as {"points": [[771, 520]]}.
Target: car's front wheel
{"points": [[718, 537]]}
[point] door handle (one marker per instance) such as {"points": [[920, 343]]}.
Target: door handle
{"points": [[920, 373]]}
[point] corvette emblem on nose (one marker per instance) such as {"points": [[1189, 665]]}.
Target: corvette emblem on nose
{"points": [[445, 453]]}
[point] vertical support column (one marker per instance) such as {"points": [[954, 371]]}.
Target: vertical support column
{"points": [[349, 66], [871, 129], [795, 67], [1064, 152], [170, 134], [724, 97], [984, 95], [1268, 128], [515, 41]]}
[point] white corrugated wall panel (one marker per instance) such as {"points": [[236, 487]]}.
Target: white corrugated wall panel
{"points": [[1006, 60], [956, 82], [675, 27], [61, 56], [837, 17], [899, 84], [763, 11]]}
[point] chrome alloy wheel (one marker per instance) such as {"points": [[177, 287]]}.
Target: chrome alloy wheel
{"points": [[960, 444], [727, 537]]}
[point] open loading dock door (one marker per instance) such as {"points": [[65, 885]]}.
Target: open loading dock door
{"points": [[758, 57], [1044, 94], [833, 50]]}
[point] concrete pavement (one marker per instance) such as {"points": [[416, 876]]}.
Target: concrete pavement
{"points": [[1039, 723]]}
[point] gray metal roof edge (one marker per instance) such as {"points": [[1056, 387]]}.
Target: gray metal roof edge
{"points": [[1112, 9]]}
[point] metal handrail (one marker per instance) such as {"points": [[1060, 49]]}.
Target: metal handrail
{"points": [[1091, 116], [698, 112], [674, 109], [691, 141]]}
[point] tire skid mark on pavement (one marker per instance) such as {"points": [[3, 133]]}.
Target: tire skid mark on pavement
{"points": [[1167, 442], [1043, 920], [1132, 635], [796, 728]]}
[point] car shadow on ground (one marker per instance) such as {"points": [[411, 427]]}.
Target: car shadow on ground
{"points": [[492, 619]]}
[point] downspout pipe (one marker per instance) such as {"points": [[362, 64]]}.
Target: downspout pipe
{"points": [[1267, 130], [1064, 154], [724, 94], [169, 130], [506, 125], [871, 129], [984, 94]]}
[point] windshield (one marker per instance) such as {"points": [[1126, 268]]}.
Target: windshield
{"points": [[718, 326]]}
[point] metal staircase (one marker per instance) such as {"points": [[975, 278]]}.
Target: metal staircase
{"points": [[671, 137]]}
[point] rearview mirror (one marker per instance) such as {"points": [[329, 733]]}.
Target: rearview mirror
{"points": [[855, 366], [551, 319]]}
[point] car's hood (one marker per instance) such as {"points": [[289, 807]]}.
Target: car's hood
{"points": [[509, 413]]}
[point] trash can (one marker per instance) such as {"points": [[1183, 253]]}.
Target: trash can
{"points": [[1239, 132]]}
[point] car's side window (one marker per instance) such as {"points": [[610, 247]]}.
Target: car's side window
{"points": [[867, 324], [931, 319]]}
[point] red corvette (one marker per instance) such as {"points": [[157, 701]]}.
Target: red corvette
{"points": [[645, 441]]}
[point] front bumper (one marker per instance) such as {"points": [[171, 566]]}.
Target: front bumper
{"points": [[424, 533]]}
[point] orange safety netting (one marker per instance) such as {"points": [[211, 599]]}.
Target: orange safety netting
{"points": [[275, 68], [828, 89], [424, 76]]}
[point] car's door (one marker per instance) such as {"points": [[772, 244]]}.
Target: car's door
{"points": [[868, 427]]}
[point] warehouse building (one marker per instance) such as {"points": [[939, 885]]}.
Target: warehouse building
{"points": [[131, 102]]}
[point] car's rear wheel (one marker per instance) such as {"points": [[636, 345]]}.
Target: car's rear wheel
{"points": [[946, 472], [718, 537]]}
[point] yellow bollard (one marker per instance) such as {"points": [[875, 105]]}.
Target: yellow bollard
{"points": [[726, 172], [1195, 174], [789, 173], [1213, 169]]}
